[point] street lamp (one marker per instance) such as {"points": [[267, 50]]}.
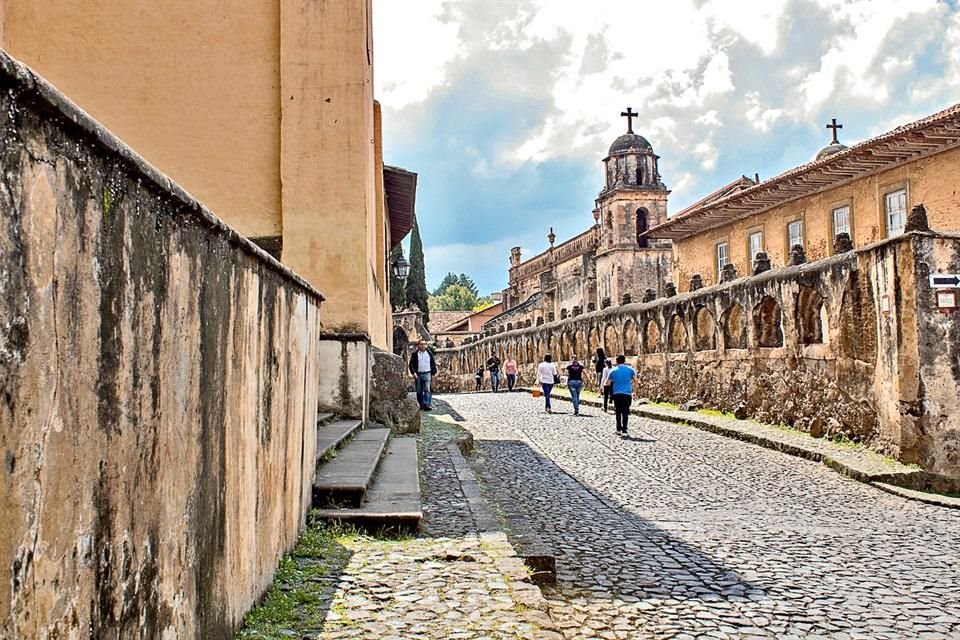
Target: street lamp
{"points": [[401, 268]]}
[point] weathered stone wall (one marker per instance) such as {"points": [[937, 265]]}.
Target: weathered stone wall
{"points": [[851, 344], [157, 391]]}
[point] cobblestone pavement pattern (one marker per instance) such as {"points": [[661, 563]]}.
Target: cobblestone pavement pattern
{"points": [[678, 533]]}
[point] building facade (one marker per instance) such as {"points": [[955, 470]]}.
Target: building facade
{"points": [[262, 109], [862, 194], [608, 262]]}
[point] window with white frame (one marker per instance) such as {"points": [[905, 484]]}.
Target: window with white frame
{"points": [[756, 245], [794, 234], [895, 205], [723, 256], [841, 221]]}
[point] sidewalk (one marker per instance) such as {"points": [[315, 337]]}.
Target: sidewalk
{"points": [[850, 459]]}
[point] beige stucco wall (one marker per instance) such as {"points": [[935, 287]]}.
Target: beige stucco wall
{"points": [[192, 86], [931, 181], [160, 383], [328, 156]]}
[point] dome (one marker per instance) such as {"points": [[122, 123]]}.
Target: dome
{"points": [[830, 149], [630, 142]]}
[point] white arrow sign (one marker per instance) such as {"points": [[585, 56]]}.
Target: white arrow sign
{"points": [[944, 280]]}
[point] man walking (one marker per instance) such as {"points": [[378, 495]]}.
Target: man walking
{"points": [[621, 380], [423, 367], [493, 366]]}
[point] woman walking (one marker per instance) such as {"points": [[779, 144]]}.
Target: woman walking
{"points": [[604, 384], [479, 379], [575, 383], [547, 376], [599, 361], [510, 368]]}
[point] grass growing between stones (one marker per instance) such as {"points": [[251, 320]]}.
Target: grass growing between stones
{"points": [[303, 586]]}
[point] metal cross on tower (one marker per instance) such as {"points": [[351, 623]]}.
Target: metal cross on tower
{"points": [[629, 114], [833, 125]]}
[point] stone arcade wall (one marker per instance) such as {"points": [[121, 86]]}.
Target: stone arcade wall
{"points": [[157, 391], [851, 344]]}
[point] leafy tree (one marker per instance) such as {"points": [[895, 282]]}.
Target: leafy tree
{"points": [[483, 303], [455, 298], [449, 279], [417, 280], [466, 281], [398, 292]]}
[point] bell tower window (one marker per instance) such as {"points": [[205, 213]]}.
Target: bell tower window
{"points": [[642, 217]]}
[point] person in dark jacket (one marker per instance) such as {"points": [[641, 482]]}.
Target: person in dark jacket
{"points": [[423, 367], [599, 362]]}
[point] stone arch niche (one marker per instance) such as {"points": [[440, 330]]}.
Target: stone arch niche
{"points": [[677, 334], [858, 320], [651, 337], [593, 340], [579, 346], [735, 328], [704, 330], [400, 341], [611, 344], [768, 323], [630, 340], [811, 316]]}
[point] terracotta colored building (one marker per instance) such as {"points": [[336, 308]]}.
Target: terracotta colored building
{"points": [[262, 109], [865, 191]]}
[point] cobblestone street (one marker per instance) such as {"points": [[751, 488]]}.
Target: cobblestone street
{"points": [[678, 533]]}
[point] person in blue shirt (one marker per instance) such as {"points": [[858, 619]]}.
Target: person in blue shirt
{"points": [[621, 381]]}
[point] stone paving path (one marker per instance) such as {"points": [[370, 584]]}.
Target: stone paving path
{"points": [[680, 533]]}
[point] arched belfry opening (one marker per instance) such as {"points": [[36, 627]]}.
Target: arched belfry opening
{"points": [[643, 221]]}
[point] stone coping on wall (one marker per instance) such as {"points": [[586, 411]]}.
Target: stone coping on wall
{"points": [[856, 462], [777, 274], [31, 85]]}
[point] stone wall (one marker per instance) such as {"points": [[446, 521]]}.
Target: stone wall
{"points": [[158, 392], [851, 344]]}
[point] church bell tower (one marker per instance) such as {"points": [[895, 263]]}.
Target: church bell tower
{"points": [[633, 199]]}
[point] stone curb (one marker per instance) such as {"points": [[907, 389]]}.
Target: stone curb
{"points": [[536, 611], [888, 482]]}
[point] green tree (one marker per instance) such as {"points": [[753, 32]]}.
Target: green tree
{"points": [[466, 281], [454, 298], [483, 303], [398, 291], [417, 280], [449, 279]]}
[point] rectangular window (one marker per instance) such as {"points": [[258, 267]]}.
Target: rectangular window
{"points": [[895, 204], [841, 221], [756, 245], [722, 257], [794, 234]]}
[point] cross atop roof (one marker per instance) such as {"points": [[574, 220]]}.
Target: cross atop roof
{"points": [[629, 114], [833, 125]]}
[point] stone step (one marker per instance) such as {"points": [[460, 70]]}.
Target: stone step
{"points": [[325, 418], [392, 503], [343, 481], [332, 435]]}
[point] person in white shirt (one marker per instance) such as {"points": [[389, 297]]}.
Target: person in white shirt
{"points": [[423, 367], [547, 375], [604, 376]]}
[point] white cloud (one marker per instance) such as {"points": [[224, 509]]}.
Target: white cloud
{"points": [[413, 43]]}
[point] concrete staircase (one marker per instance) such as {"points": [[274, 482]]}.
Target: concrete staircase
{"points": [[366, 477]]}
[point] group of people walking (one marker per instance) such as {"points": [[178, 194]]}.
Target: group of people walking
{"points": [[493, 366], [616, 382]]}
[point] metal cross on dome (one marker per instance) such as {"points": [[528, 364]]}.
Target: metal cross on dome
{"points": [[833, 125], [629, 114]]}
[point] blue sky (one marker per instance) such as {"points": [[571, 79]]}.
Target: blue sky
{"points": [[506, 108]]}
